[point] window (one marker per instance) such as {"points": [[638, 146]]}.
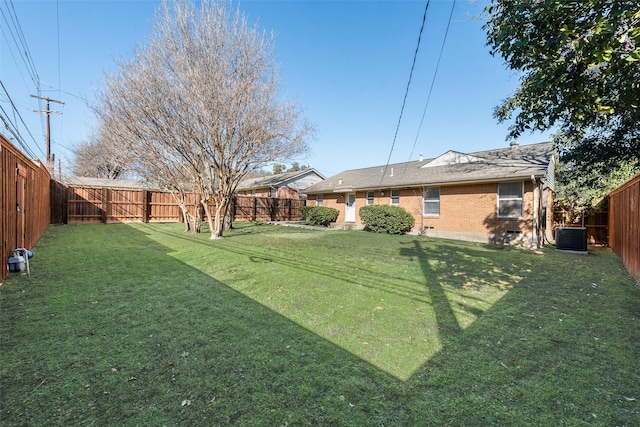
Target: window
{"points": [[273, 192], [510, 199], [395, 197], [319, 199], [369, 197], [431, 201]]}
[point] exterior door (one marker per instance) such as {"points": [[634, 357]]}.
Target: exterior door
{"points": [[350, 208]]}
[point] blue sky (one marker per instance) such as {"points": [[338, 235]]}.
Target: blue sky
{"points": [[346, 63]]}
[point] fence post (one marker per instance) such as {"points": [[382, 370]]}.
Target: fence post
{"points": [[234, 200], [255, 209], [64, 196], [104, 203], [146, 208], [272, 209]]}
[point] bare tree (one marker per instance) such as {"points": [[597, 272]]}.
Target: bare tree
{"points": [[98, 158], [168, 174], [202, 98]]}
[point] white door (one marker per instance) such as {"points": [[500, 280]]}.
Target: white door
{"points": [[350, 208]]}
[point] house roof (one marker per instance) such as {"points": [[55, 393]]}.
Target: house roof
{"points": [[84, 181], [515, 162], [278, 180]]}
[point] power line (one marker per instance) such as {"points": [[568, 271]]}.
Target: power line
{"points": [[15, 30], [406, 93], [16, 135], [433, 80], [84, 99], [16, 111], [15, 61]]}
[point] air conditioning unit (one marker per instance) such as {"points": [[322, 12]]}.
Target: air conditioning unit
{"points": [[571, 239]]}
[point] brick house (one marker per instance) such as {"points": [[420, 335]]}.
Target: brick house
{"points": [[284, 185], [498, 196]]}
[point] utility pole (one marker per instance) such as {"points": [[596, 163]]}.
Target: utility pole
{"points": [[48, 113]]}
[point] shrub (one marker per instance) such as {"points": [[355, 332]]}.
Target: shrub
{"points": [[386, 219], [320, 215], [304, 212]]}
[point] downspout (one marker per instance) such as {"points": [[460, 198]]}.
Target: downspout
{"points": [[422, 208], [534, 235]]}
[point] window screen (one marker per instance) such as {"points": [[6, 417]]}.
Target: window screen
{"points": [[510, 199], [369, 197], [395, 197], [431, 199]]}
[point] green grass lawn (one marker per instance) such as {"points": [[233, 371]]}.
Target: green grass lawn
{"points": [[143, 324]]}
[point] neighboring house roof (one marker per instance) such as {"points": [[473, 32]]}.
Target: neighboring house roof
{"points": [[297, 179], [515, 162], [84, 181]]}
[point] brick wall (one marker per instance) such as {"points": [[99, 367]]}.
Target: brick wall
{"points": [[470, 208]]}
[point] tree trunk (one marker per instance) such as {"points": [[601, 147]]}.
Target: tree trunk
{"points": [[216, 231], [190, 224], [210, 219], [196, 222], [228, 218], [185, 217]]}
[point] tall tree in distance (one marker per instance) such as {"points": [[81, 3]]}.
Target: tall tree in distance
{"points": [[99, 158], [203, 94], [580, 64], [295, 167]]}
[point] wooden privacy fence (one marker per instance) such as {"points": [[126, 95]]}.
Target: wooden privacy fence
{"points": [[25, 198], [624, 224], [597, 225], [76, 204], [247, 208]]}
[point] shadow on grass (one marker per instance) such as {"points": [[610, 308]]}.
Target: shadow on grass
{"points": [[125, 334], [463, 282], [288, 259], [112, 330], [456, 284]]}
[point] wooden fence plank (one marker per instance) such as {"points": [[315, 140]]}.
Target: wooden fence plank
{"points": [[24, 201], [94, 204], [624, 224]]}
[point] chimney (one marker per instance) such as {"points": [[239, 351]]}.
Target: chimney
{"points": [[514, 145], [421, 159], [391, 172]]}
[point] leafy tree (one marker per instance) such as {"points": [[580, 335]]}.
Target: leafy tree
{"points": [[279, 168], [585, 177], [295, 167], [201, 97], [580, 64]]}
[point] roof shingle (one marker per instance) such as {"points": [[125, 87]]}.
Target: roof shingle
{"points": [[516, 162]]}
